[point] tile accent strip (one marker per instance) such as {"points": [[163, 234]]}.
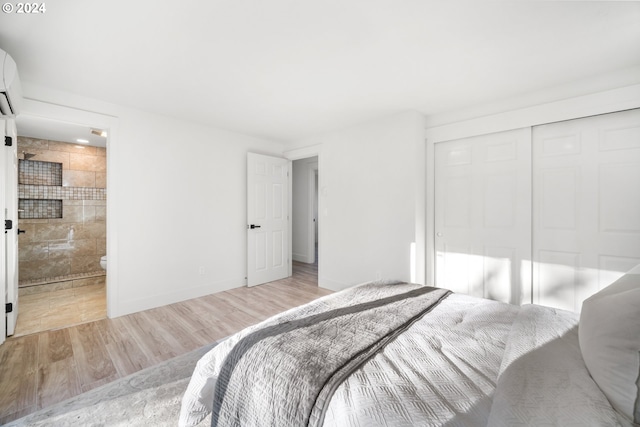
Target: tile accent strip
{"points": [[64, 193]]}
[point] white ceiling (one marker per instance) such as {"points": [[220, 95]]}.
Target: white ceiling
{"points": [[289, 69], [43, 128]]}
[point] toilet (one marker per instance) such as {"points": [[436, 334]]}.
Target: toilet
{"points": [[103, 262]]}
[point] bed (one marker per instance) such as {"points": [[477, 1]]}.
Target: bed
{"points": [[400, 354]]}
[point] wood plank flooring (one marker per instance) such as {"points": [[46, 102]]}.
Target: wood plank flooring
{"points": [[41, 369]]}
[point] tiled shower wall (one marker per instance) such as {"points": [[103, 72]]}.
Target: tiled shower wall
{"points": [[69, 248]]}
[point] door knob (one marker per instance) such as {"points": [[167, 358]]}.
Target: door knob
{"points": [[21, 231], [252, 226]]}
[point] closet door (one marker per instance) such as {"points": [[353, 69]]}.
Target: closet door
{"points": [[483, 216], [586, 206]]}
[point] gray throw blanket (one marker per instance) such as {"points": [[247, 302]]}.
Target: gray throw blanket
{"points": [[285, 374]]}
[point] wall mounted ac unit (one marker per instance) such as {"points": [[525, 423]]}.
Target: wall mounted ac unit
{"points": [[10, 90]]}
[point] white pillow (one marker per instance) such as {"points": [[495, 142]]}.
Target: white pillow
{"points": [[609, 333]]}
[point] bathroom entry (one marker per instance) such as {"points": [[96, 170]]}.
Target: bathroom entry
{"points": [[62, 213]]}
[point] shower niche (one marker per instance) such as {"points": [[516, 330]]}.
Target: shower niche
{"points": [[35, 172], [39, 208], [39, 173]]}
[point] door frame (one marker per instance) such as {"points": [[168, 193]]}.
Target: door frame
{"points": [[298, 154], [312, 220], [109, 123], [12, 237], [3, 241]]}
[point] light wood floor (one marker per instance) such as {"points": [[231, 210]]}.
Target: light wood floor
{"points": [[41, 369]]}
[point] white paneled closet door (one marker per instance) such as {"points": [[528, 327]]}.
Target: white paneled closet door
{"points": [[586, 206], [483, 216]]}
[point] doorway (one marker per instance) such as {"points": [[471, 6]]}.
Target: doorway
{"points": [[305, 219], [62, 211]]}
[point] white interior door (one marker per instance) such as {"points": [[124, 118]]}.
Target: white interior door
{"points": [[11, 206], [3, 244], [267, 218], [586, 206], [483, 216]]}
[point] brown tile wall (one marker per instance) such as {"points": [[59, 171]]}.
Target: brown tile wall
{"points": [[53, 250]]}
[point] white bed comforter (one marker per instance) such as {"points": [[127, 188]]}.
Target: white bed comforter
{"points": [[543, 379], [451, 368], [443, 370]]}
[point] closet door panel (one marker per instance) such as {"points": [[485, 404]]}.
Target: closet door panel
{"points": [[586, 206], [558, 203], [483, 215], [558, 280], [458, 267]]}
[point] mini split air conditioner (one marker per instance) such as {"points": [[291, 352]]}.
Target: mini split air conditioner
{"points": [[10, 91]]}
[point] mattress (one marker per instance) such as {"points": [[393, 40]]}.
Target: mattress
{"points": [[467, 362], [441, 370]]}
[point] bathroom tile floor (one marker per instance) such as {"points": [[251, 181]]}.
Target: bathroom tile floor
{"points": [[60, 308]]}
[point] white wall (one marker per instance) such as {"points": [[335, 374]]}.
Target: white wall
{"points": [[182, 198], [176, 202], [176, 194], [369, 177], [302, 201], [376, 182]]}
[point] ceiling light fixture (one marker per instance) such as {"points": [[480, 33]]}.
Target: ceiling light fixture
{"points": [[99, 132], [82, 141]]}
